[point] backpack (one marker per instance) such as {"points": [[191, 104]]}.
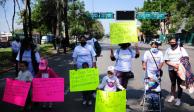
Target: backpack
{"points": [[98, 48]]}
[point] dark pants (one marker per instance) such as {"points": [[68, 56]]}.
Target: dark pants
{"points": [[14, 55], [87, 95], [175, 80], [123, 78]]}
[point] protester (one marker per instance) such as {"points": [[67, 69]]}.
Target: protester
{"points": [[46, 72], [15, 46], [64, 44], [25, 75], [110, 82], [87, 95], [172, 58], [84, 53], [91, 40], [152, 61], [28, 53], [123, 57]]}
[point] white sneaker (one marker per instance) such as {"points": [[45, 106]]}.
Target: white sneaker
{"points": [[84, 102], [90, 103], [178, 102], [170, 99]]}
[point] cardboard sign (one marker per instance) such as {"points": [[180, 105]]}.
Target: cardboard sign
{"points": [[110, 101], [48, 90], [16, 92], [84, 79], [123, 32]]}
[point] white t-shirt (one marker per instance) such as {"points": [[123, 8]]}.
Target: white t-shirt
{"points": [[84, 54], [15, 46], [91, 42], [148, 59], [27, 57], [174, 55], [25, 76], [110, 84], [124, 59]]}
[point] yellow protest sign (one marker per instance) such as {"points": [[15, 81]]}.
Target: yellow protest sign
{"points": [[110, 101], [123, 32], [84, 79]]}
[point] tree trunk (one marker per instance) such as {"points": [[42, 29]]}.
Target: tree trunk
{"points": [[66, 22], [25, 28], [29, 20], [13, 18]]}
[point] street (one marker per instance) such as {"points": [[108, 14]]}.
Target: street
{"points": [[62, 63]]}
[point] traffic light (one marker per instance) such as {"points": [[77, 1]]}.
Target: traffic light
{"points": [[125, 15]]}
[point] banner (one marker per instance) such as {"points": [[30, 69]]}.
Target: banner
{"points": [[16, 92], [110, 101], [123, 32], [48, 90], [84, 79]]}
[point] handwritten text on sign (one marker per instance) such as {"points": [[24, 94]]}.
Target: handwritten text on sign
{"points": [[110, 101], [16, 92], [84, 79], [48, 90], [123, 32]]}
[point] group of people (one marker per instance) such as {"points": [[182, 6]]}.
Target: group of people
{"points": [[85, 56], [30, 65], [152, 63]]}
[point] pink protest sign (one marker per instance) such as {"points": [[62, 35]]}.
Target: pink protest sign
{"points": [[16, 91], [48, 90]]}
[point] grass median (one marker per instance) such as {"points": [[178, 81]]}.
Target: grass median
{"points": [[6, 60]]}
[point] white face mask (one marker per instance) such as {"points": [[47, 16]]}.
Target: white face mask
{"points": [[154, 50]]}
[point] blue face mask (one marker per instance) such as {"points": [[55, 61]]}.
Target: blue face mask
{"points": [[154, 50], [150, 84]]}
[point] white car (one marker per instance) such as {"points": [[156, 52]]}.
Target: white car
{"points": [[44, 40]]}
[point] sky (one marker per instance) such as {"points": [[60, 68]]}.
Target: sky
{"points": [[90, 5]]}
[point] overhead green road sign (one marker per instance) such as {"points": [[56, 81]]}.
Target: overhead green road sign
{"points": [[102, 15], [150, 15]]}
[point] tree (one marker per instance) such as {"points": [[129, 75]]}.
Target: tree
{"points": [[2, 3], [179, 11]]}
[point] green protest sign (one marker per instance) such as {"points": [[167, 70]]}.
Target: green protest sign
{"points": [[110, 101], [123, 32], [84, 79]]}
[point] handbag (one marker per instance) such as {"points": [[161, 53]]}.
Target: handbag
{"points": [[160, 72]]}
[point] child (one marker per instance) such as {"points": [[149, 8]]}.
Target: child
{"points": [[45, 72], [152, 83], [25, 75], [87, 95], [110, 82]]}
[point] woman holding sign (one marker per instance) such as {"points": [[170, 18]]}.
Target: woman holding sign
{"points": [[123, 57], [84, 53], [84, 57]]}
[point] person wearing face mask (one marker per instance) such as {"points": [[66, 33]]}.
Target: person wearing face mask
{"points": [[152, 60], [172, 58], [84, 53], [30, 54], [123, 57]]}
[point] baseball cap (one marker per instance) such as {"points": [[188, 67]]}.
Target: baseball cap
{"points": [[111, 69], [43, 64]]}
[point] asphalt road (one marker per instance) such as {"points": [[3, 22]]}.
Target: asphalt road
{"points": [[62, 63]]}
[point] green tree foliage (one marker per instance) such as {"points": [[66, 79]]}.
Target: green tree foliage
{"points": [[178, 10], [44, 18]]}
